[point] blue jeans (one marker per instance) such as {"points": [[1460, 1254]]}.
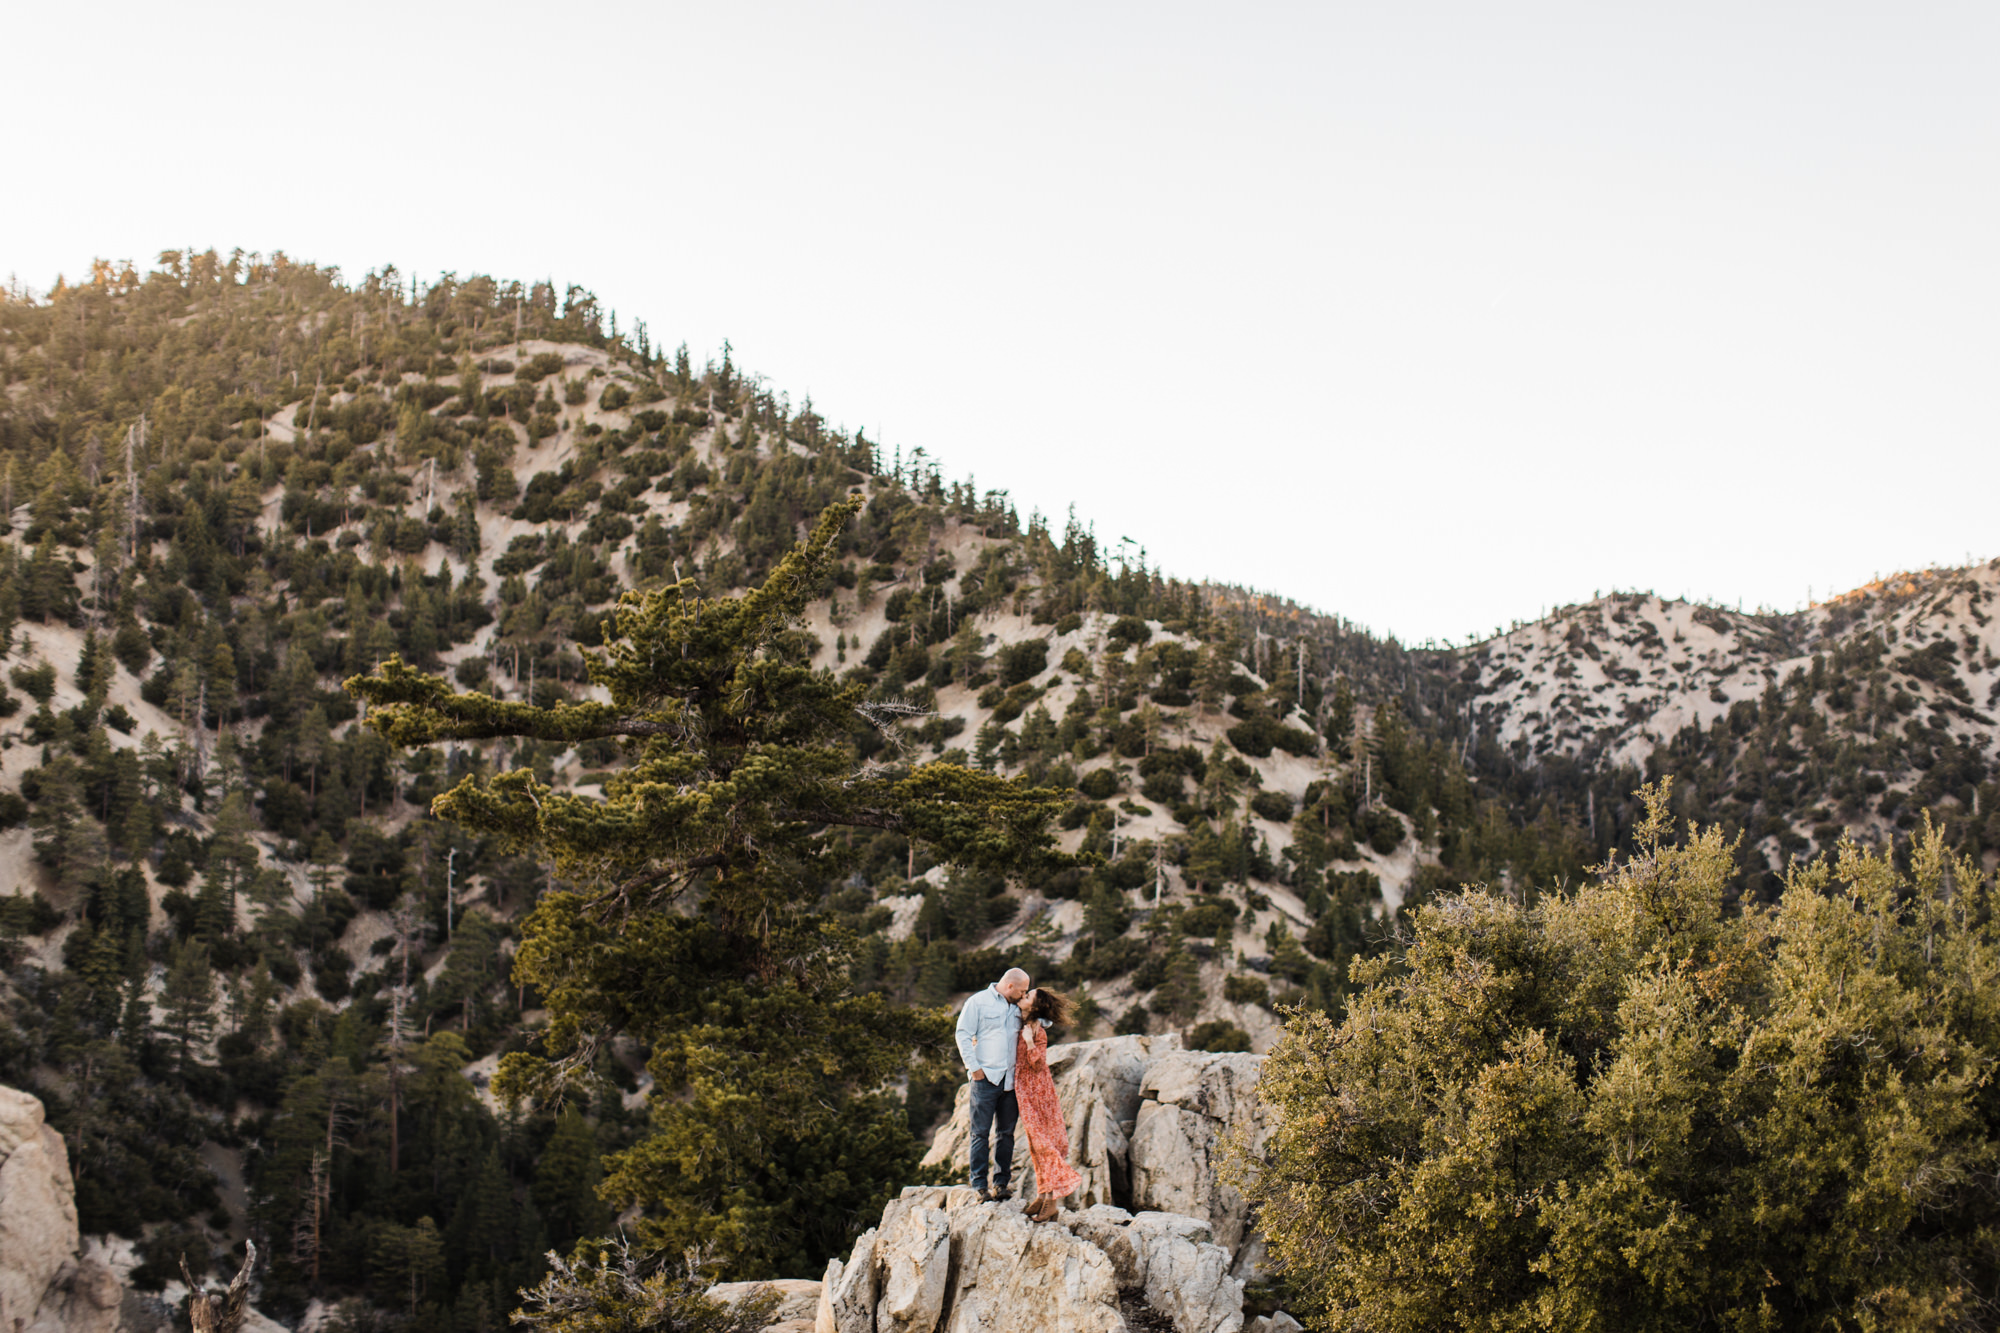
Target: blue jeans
{"points": [[990, 1104]]}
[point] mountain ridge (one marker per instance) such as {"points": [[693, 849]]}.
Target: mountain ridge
{"points": [[222, 876]]}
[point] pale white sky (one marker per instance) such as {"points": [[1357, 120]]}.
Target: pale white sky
{"points": [[1428, 314]]}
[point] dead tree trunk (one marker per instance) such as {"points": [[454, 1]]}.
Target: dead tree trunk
{"points": [[223, 1313]]}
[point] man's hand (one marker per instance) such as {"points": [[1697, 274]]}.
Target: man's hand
{"points": [[978, 1076]]}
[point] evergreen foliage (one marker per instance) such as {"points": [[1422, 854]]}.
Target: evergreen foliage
{"points": [[234, 481], [690, 920], [1637, 1107]]}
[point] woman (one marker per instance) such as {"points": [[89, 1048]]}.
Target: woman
{"points": [[1041, 1113]]}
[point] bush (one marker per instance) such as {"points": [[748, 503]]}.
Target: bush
{"points": [[1238, 989], [1383, 830], [1023, 661], [332, 969], [1112, 958], [131, 647], [1216, 1036], [1134, 1022], [1769, 1111], [1130, 629], [38, 682], [1275, 806], [1208, 916], [1258, 735], [472, 673], [539, 367], [1253, 736], [1100, 784], [614, 397]]}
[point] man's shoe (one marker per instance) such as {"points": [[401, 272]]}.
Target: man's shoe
{"points": [[1000, 1194]]}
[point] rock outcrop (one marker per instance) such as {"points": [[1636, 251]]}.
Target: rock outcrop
{"points": [[1171, 1262], [49, 1283], [45, 1286], [1189, 1102], [944, 1261], [798, 1301], [1147, 1121]]}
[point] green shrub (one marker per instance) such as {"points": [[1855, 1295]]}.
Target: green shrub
{"points": [[1239, 989], [1112, 958], [1150, 972], [1020, 662], [1209, 915], [1100, 784], [1134, 1022], [1383, 830], [614, 397], [1129, 629], [1275, 806], [38, 682], [1216, 1036], [1661, 1084], [539, 367]]}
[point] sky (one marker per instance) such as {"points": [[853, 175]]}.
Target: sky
{"points": [[1431, 315]]}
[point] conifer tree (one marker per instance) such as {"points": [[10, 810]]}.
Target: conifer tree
{"points": [[189, 999], [686, 911]]}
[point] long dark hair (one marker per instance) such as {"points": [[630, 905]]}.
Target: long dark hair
{"points": [[1052, 1005]]}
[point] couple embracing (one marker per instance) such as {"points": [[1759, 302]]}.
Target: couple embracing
{"points": [[1004, 1040]]}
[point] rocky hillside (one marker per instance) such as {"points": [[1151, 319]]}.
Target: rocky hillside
{"points": [[1849, 718], [254, 979]]}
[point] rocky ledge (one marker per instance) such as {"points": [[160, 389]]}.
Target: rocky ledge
{"points": [[1156, 1239], [1147, 1123], [944, 1261]]}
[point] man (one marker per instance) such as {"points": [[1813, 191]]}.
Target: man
{"points": [[989, 1030]]}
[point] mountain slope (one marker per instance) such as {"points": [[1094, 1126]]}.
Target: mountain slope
{"points": [[234, 928], [1850, 717]]}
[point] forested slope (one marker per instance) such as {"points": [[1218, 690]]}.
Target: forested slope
{"points": [[262, 988]]}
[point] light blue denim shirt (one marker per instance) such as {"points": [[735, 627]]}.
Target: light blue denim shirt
{"points": [[989, 1029]]}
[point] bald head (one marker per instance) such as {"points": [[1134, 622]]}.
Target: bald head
{"points": [[1013, 985]]}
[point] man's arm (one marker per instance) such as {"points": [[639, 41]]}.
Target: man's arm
{"points": [[968, 1036]]}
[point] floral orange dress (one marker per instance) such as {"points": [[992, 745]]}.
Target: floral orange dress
{"points": [[1041, 1114]]}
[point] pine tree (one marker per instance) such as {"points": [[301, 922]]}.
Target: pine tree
{"points": [[689, 915], [189, 1000], [1179, 996]]}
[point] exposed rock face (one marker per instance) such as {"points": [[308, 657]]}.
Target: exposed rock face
{"points": [[47, 1284], [1147, 1120], [1172, 1261], [1191, 1100], [797, 1299], [38, 1233], [943, 1261]]}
